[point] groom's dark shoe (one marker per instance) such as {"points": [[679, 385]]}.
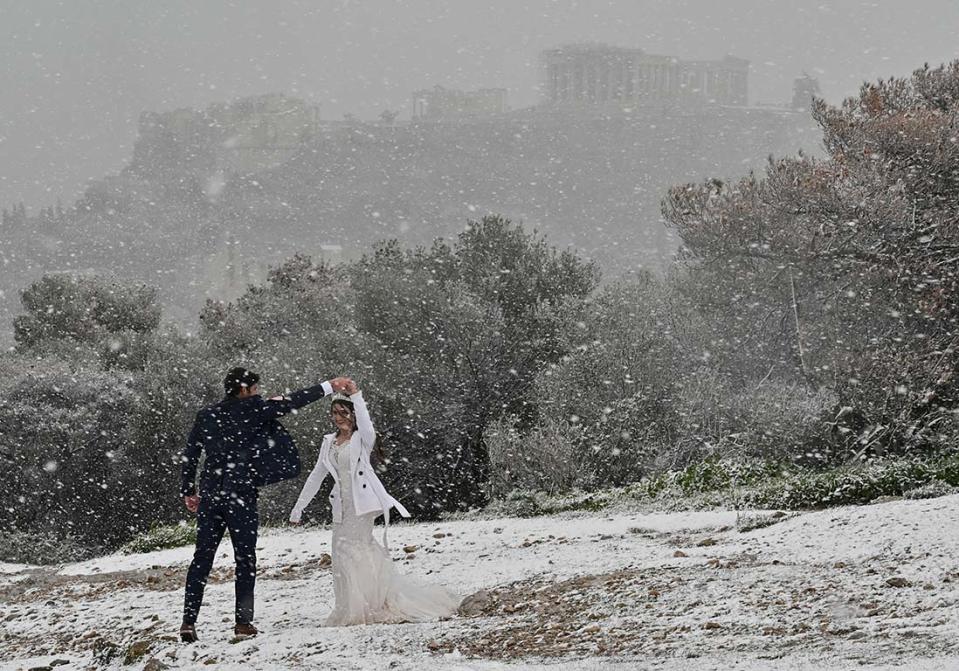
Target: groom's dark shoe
{"points": [[242, 631], [188, 633]]}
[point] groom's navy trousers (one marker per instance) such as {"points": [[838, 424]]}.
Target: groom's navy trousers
{"points": [[221, 511]]}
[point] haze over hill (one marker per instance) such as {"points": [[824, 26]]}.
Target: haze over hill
{"points": [[196, 215], [75, 76], [211, 198]]}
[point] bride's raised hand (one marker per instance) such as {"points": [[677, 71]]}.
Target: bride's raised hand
{"points": [[340, 383]]}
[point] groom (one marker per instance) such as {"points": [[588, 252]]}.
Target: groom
{"points": [[228, 432]]}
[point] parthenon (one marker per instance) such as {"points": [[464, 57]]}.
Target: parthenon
{"points": [[599, 73]]}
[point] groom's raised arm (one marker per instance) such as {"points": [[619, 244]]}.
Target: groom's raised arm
{"points": [[278, 406]]}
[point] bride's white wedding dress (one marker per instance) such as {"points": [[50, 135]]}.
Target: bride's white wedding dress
{"points": [[367, 587]]}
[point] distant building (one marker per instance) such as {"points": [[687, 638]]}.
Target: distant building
{"points": [[442, 104], [805, 88], [599, 73], [723, 82], [263, 131], [244, 136]]}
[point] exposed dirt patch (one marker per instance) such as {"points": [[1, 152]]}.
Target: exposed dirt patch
{"points": [[41, 584], [733, 604]]}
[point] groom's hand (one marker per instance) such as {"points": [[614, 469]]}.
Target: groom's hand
{"points": [[340, 383], [192, 503]]}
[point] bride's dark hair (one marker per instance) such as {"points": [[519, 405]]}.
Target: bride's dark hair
{"points": [[378, 453]]}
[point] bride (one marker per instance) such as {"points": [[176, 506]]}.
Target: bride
{"points": [[367, 587]]}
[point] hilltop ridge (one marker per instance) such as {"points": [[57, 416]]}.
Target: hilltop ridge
{"points": [[211, 198]]}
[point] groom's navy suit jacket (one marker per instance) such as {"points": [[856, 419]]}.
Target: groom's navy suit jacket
{"points": [[229, 432]]}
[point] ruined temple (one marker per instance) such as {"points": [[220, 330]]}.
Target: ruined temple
{"points": [[600, 73]]}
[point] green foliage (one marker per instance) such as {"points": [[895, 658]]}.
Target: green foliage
{"points": [[712, 474], [526, 503], [621, 341], [840, 273], [67, 461], [445, 340], [546, 458], [776, 485], [93, 414], [161, 537], [853, 485], [634, 397], [774, 420], [930, 490], [603, 414], [84, 309]]}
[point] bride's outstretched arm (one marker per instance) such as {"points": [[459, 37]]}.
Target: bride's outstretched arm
{"points": [[364, 425], [310, 488]]}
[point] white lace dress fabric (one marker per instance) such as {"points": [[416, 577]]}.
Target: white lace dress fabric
{"points": [[367, 587]]}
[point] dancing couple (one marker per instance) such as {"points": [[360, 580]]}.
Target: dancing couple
{"points": [[246, 448]]}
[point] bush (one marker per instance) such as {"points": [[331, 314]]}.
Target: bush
{"points": [[628, 442], [447, 340], [95, 403], [833, 271], [162, 537], [546, 459], [707, 476], [524, 503], [612, 393], [930, 490], [84, 309], [851, 485], [784, 485], [774, 421], [23, 547]]}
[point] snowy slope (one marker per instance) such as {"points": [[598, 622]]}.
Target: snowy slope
{"points": [[867, 587]]}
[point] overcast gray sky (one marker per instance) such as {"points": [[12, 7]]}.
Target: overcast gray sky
{"points": [[75, 74]]}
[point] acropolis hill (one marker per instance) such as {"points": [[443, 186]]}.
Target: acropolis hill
{"points": [[226, 191]]}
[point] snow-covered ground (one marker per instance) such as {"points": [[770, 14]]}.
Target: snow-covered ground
{"points": [[859, 587]]}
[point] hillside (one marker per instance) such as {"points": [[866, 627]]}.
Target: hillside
{"points": [[181, 216], [871, 587]]}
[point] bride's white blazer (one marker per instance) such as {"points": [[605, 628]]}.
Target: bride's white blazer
{"points": [[369, 494]]}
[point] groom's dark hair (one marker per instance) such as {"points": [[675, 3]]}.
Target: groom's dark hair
{"points": [[237, 379]]}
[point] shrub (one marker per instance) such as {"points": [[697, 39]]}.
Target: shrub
{"points": [[775, 420], [162, 537], [834, 272], [709, 475], [627, 442], [546, 459], [524, 503], [784, 485], [847, 486], [930, 490]]}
